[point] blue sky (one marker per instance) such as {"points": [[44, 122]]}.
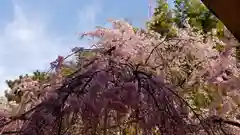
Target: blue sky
{"points": [[34, 32]]}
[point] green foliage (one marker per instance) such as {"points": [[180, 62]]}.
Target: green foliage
{"points": [[39, 76], [201, 96], [162, 21], [199, 17], [200, 100], [180, 13], [219, 47], [192, 12], [15, 86], [220, 29], [12, 83], [135, 29], [14, 94], [66, 71]]}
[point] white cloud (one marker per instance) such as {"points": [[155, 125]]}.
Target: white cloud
{"points": [[26, 44]]}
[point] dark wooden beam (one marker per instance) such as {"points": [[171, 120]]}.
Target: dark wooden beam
{"points": [[228, 11]]}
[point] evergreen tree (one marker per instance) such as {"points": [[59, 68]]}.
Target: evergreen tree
{"points": [[162, 21], [195, 13], [180, 13]]}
